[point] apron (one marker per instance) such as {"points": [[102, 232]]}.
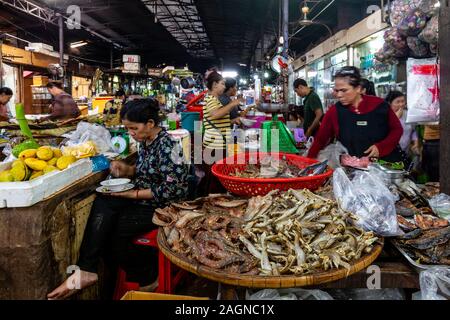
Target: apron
{"points": [[358, 132]]}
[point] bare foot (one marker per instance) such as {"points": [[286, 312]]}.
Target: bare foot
{"points": [[76, 282]]}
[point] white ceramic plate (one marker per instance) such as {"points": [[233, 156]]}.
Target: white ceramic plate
{"points": [[106, 190], [115, 182]]}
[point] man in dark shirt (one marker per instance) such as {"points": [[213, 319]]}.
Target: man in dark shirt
{"points": [[63, 106], [313, 109]]}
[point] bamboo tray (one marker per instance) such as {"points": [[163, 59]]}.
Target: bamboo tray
{"points": [[251, 281]]}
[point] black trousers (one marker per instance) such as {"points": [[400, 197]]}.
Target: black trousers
{"points": [[112, 225], [430, 159]]}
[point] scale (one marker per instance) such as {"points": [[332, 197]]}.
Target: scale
{"points": [[120, 140]]}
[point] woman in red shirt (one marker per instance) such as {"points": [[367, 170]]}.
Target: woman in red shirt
{"points": [[365, 125]]}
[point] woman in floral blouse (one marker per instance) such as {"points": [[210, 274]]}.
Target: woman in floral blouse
{"points": [[160, 178]]}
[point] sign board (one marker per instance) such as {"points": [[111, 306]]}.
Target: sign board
{"points": [[131, 58], [155, 72], [130, 67]]}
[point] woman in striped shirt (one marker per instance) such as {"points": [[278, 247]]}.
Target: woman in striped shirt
{"points": [[217, 123]]}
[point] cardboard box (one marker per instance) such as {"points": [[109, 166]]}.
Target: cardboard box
{"points": [[40, 80], [137, 295]]}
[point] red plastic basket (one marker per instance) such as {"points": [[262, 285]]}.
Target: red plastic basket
{"points": [[261, 186]]}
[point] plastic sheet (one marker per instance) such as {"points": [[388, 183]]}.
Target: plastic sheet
{"points": [[369, 199], [435, 283], [441, 205], [289, 294]]}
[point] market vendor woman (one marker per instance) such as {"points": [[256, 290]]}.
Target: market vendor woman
{"points": [[365, 125], [115, 220]]}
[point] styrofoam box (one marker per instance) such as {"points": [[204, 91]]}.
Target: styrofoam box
{"points": [[27, 193]]}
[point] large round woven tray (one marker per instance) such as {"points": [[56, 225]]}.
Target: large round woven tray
{"points": [[251, 281]]}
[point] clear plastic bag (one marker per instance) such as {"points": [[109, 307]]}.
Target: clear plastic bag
{"points": [[90, 132], [400, 8], [419, 49], [441, 205], [333, 153], [435, 283], [289, 294], [367, 294], [369, 199], [7, 151]]}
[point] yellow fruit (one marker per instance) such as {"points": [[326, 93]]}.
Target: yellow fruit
{"points": [[19, 173], [65, 161], [17, 163], [30, 153], [6, 176], [57, 153], [36, 174], [35, 164], [48, 169], [52, 161], [44, 153]]}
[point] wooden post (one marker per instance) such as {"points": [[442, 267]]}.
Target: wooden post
{"points": [[444, 54]]}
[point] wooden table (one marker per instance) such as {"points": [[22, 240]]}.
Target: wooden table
{"points": [[393, 270], [38, 243]]}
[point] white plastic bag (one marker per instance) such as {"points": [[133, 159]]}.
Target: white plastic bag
{"points": [[90, 132], [441, 205], [289, 294], [369, 199], [333, 153], [435, 283]]}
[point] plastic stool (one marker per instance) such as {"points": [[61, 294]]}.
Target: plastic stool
{"points": [[166, 280]]}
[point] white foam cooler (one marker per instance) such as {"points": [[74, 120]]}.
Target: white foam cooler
{"points": [[27, 193]]}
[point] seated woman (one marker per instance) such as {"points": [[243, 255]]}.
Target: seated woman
{"points": [[118, 218]]}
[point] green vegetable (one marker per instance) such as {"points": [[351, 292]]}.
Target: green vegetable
{"points": [[392, 165]]}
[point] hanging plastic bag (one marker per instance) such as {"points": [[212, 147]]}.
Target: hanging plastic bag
{"points": [[435, 283], [423, 91], [399, 9], [441, 205], [419, 49], [394, 39], [413, 23], [428, 7], [369, 199], [431, 32], [333, 153], [90, 132]]}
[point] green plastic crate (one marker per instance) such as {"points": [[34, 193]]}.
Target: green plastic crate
{"points": [[287, 142]]}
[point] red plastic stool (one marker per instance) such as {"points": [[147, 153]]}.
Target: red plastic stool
{"points": [[167, 281]]}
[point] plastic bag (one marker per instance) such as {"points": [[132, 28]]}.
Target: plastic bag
{"points": [[369, 199], [333, 153], [395, 39], [428, 7], [7, 151], [399, 9], [431, 32], [289, 294], [419, 49], [367, 294], [435, 283], [90, 132], [423, 91], [413, 23], [441, 205]]}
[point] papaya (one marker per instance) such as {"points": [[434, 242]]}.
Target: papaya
{"points": [[57, 153], [48, 169], [25, 154], [52, 161], [44, 153], [36, 174], [35, 164], [65, 161], [19, 173]]}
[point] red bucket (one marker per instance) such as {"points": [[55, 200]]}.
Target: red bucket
{"points": [[261, 186]]}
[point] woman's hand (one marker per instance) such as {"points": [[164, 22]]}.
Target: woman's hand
{"points": [[373, 152], [120, 169]]}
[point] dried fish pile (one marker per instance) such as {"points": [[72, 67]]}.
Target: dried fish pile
{"points": [[207, 231], [299, 232]]}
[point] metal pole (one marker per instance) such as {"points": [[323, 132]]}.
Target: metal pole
{"points": [[1, 61], [285, 27], [61, 40], [111, 57], [444, 57]]}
